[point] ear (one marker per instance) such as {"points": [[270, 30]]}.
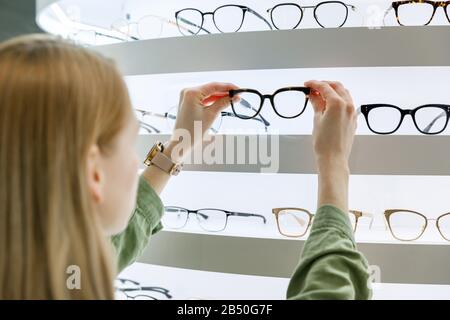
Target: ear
{"points": [[95, 174]]}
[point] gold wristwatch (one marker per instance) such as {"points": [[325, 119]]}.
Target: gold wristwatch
{"points": [[157, 158]]}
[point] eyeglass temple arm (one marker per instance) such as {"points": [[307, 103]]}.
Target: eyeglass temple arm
{"points": [[152, 114], [192, 24], [260, 17], [114, 37], [243, 214], [161, 290], [428, 127], [368, 215], [173, 117], [148, 127], [358, 111], [386, 14], [248, 105]]}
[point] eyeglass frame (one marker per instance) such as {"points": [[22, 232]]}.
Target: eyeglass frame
{"points": [[162, 20], [160, 290], [263, 97], [436, 4], [203, 14], [356, 213], [168, 115], [366, 108], [389, 212], [227, 214], [270, 10]]}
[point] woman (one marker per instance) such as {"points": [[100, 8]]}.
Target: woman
{"points": [[68, 176]]}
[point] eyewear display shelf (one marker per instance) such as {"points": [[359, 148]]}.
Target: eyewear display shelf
{"points": [[196, 285], [413, 155]]}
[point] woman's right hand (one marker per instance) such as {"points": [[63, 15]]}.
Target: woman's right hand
{"points": [[333, 134]]}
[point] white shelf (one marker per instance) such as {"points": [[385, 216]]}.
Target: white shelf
{"points": [[193, 284], [372, 155], [278, 257], [283, 49]]}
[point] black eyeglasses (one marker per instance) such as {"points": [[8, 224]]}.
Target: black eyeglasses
{"points": [[429, 119], [328, 14], [288, 103], [131, 290], [418, 12], [213, 220], [227, 18]]}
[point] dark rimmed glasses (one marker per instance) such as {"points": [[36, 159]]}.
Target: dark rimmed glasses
{"points": [[295, 222], [288, 103], [212, 220], [226, 18], [409, 225], [430, 119], [127, 289], [418, 12], [328, 14]]}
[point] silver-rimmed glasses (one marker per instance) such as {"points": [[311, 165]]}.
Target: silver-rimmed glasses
{"points": [[328, 14]]}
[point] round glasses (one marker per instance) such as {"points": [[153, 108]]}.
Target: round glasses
{"points": [[288, 103], [212, 220], [328, 14], [407, 225], [429, 119], [227, 18]]}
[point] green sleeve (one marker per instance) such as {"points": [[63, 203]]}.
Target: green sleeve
{"points": [[331, 267], [145, 221]]}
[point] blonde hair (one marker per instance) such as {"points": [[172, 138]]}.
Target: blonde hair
{"points": [[56, 101]]}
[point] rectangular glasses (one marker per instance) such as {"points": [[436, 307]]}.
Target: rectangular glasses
{"points": [[295, 222], [213, 220]]}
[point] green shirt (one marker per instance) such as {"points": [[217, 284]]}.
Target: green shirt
{"points": [[330, 267]]}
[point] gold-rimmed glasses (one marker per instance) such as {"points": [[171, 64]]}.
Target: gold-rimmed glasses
{"points": [[295, 222], [409, 225]]}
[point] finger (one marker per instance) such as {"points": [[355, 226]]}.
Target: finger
{"points": [[338, 87], [316, 99], [317, 102], [332, 99], [222, 104], [325, 90], [341, 90], [216, 87], [208, 101]]}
